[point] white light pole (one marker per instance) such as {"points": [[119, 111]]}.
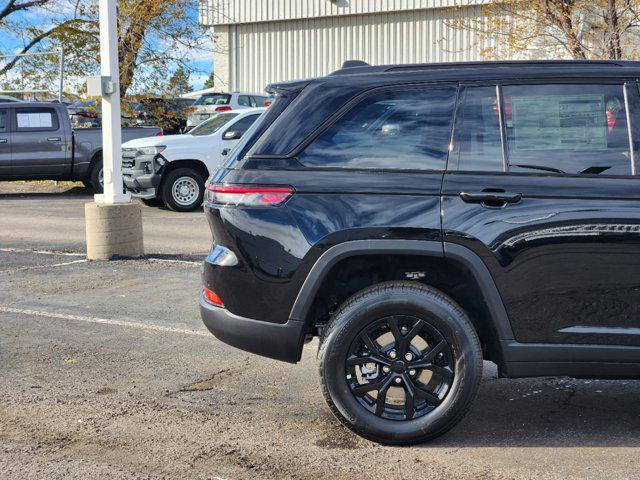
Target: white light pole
{"points": [[113, 223], [111, 130]]}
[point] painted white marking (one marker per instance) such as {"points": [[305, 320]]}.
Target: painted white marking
{"points": [[42, 252], [40, 267], [102, 321], [69, 254]]}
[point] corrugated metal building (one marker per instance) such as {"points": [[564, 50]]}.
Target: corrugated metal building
{"points": [[263, 41]]}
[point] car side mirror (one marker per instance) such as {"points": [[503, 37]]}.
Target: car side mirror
{"points": [[232, 135]]}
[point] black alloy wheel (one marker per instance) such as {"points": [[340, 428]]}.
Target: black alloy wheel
{"points": [[400, 363], [400, 367]]}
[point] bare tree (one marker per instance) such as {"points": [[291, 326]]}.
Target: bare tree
{"points": [[578, 29]]}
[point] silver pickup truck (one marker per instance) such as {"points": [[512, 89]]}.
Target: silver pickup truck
{"points": [[38, 143]]}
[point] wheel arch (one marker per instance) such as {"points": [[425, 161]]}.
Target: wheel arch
{"points": [[490, 316], [197, 165]]}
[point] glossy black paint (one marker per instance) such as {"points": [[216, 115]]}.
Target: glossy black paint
{"points": [[564, 253], [276, 247]]}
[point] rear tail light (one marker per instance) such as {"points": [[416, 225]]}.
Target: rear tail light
{"points": [[267, 104], [223, 109], [212, 297], [248, 195], [160, 134]]}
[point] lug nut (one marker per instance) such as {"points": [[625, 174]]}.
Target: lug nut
{"points": [[408, 357], [404, 330], [393, 354], [386, 369], [412, 372], [398, 380]]}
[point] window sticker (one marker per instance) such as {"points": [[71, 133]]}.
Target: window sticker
{"points": [[35, 120], [576, 122]]}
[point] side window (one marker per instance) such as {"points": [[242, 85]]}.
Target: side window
{"points": [[244, 101], [390, 129], [242, 125], [478, 146], [258, 101], [4, 120], [36, 119], [567, 129]]}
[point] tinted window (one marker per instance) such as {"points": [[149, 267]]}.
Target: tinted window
{"points": [[213, 99], [4, 121], [36, 119], [244, 101], [243, 124], [400, 129], [211, 126], [478, 143], [258, 101], [567, 129]]}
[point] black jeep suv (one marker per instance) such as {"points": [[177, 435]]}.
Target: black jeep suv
{"points": [[422, 218]]}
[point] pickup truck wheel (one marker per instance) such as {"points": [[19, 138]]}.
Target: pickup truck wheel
{"points": [[400, 363], [183, 190], [96, 177]]}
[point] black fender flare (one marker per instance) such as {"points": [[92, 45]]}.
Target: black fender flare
{"points": [[455, 252]]}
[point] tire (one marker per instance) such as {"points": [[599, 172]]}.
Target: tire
{"points": [[445, 343], [178, 190], [96, 177], [151, 202], [87, 184]]}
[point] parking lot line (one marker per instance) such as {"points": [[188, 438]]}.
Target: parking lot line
{"points": [[38, 267], [102, 321], [42, 252]]}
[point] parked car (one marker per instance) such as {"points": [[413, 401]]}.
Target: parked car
{"points": [[168, 113], [38, 143], [173, 169], [9, 99], [421, 218], [211, 103]]}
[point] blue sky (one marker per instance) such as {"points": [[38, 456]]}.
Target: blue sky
{"points": [[201, 61]]}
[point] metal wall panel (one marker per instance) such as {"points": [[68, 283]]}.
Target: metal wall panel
{"points": [[224, 12], [277, 51]]}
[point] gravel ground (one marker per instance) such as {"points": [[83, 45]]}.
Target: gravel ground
{"points": [[107, 372]]}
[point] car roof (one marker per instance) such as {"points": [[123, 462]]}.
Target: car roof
{"points": [[247, 111], [356, 67]]}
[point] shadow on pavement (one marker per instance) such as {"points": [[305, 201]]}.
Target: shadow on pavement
{"points": [[550, 412]]}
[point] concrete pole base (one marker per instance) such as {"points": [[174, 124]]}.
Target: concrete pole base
{"points": [[113, 230]]}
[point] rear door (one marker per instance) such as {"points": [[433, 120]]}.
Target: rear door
{"points": [[5, 142], [542, 185], [39, 146]]}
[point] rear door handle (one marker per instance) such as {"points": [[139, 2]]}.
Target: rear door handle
{"points": [[54, 139], [491, 198], [4, 140]]}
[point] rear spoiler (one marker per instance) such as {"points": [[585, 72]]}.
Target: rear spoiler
{"points": [[287, 87]]}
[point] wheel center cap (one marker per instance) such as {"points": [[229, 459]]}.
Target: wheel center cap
{"points": [[184, 190], [398, 367]]}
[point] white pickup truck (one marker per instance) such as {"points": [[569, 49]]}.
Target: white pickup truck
{"points": [[173, 169]]}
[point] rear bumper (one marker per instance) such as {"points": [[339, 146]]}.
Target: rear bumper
{"points": [[273, 340]]}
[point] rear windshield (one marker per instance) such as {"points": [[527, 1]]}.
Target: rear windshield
{"points": [[211, 126], [213, 99]]}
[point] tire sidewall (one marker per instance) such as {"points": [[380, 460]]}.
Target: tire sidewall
{"points": [[437, 311], [166, 190]]}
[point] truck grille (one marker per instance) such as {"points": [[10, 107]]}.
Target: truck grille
{"points": [[128, 157]]}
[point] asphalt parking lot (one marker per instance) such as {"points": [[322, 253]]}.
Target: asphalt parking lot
{"points": [[107, 372]]}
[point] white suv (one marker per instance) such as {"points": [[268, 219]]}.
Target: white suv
{"points": [[211, 103], [173, 169]]}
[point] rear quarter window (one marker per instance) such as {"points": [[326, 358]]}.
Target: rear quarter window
{"points": [[389, 129]]}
